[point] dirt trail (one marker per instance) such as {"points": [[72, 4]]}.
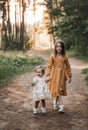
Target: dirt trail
{"points": [[16, 103]]}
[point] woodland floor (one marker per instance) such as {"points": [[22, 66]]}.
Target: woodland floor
{"points": [[16, 103]]}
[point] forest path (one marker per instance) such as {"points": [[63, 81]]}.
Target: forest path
{"points": [[16, 103]]}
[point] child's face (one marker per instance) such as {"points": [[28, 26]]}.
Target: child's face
{"points": [[58, 47], [39, 73]]}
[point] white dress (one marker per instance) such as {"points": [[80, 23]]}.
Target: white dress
{"points": [[41, 90]]}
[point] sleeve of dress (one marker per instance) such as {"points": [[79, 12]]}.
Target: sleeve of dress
{"points": [[34, 81], [68, 68], [49, 67]]}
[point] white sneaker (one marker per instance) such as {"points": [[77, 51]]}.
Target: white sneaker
{"points": [[61, 109], [55, 105], [43, 110], [35, 110]]}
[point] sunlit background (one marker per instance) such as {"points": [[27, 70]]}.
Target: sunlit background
{"points": [[34, 19]]}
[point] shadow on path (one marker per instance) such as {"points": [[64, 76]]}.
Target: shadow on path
{"points": [[16, 103]]}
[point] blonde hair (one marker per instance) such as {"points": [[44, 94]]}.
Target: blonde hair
{"points": [[41, 68]]}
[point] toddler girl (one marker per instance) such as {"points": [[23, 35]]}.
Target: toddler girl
{"points": [[40, 91]]}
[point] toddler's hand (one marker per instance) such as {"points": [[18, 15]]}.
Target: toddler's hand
{"points": [[32, 84], [48, 79]]}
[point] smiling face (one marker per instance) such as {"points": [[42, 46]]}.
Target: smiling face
{"points": [[39, 72], [58, 47]]}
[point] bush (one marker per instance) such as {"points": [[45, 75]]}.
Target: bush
{"points": [[85, 71], [12, 66], [28, 44]]}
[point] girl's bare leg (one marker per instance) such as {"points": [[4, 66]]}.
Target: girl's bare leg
{"points": [[60, 100], [61, 106], [36, 104], [43, 103], [57, 99], [56, 102], [43, 106], [35, 110]]}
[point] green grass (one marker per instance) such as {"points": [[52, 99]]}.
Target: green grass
{"points": [[15, 63], [85, 71], [73, 53]]}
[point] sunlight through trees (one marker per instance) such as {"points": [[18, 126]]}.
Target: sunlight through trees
{"points": [[20, 21], [26, 23]]}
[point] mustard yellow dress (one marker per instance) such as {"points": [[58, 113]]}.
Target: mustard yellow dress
{"points": [[59, 69]]}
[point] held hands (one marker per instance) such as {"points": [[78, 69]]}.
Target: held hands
{"points": [[48, 78], [32, 84]]}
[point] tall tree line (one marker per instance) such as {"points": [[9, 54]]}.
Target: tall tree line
{"points": [[69, 21], [13, 35]]}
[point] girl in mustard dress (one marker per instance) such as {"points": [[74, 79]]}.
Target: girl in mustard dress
{"points": [[60, 71]]}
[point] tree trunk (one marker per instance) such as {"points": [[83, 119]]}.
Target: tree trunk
{"points": [[4, 29], [34, 22], [22, 26], [8, 20]]}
